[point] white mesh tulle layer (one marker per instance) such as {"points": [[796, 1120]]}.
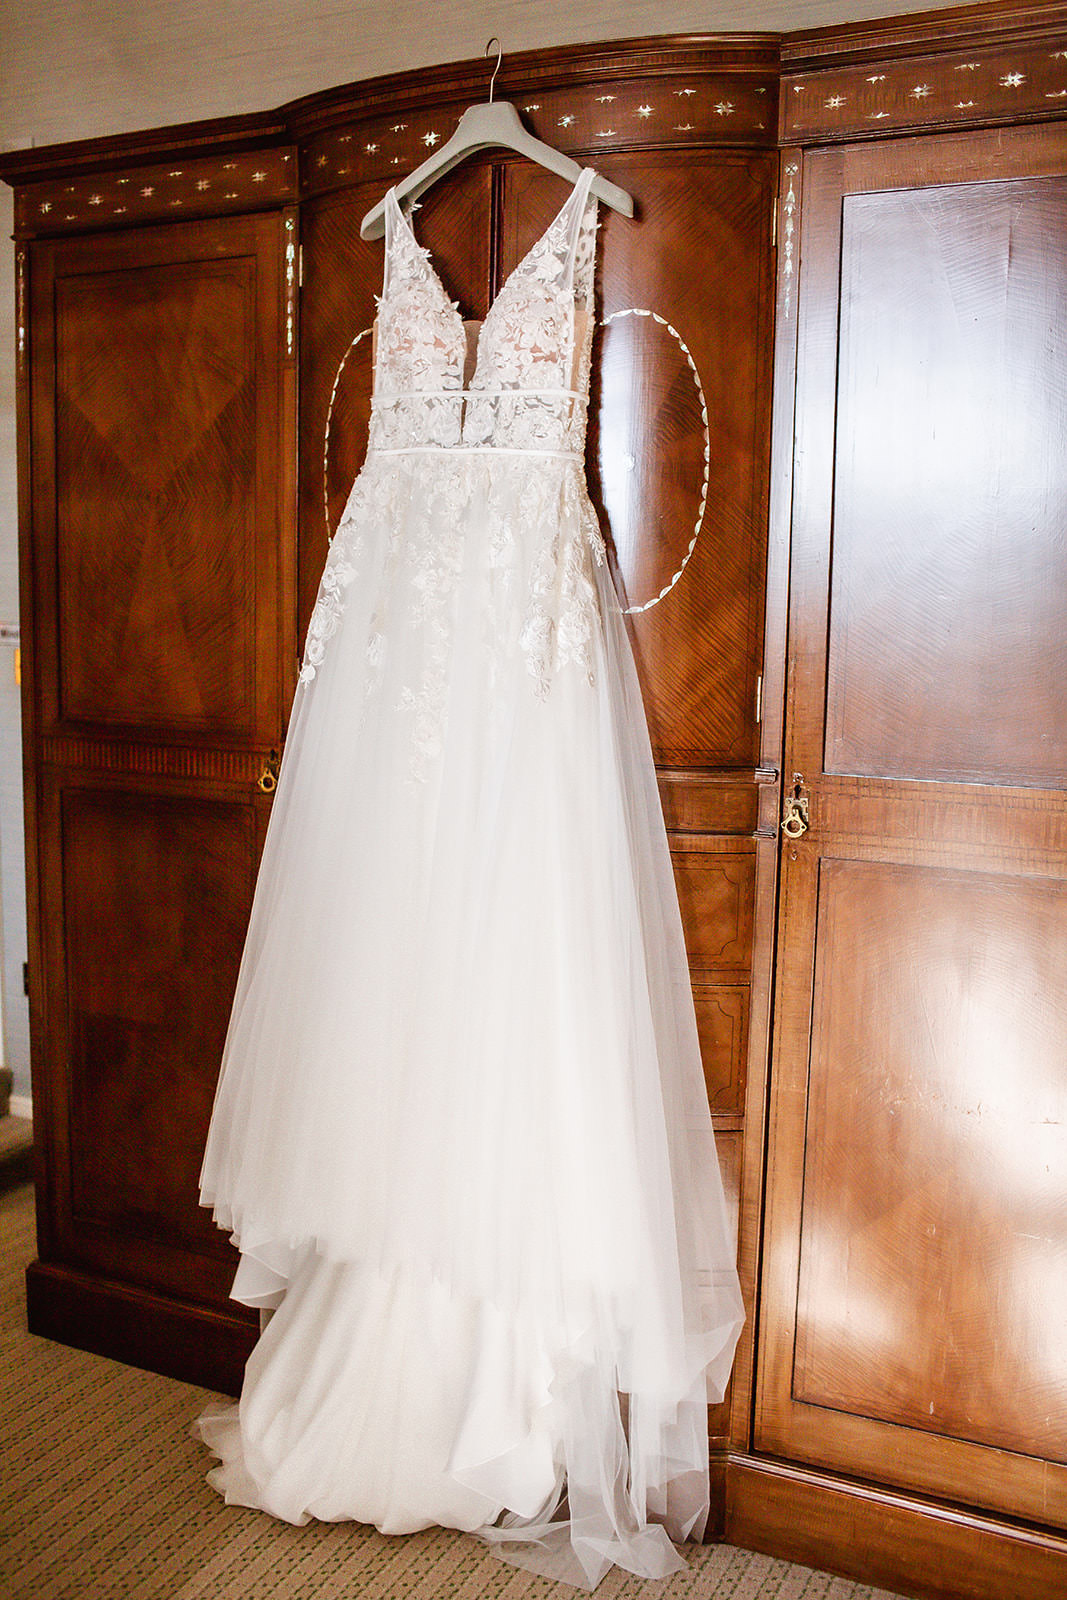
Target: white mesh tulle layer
{"points": [[461, 1134]]}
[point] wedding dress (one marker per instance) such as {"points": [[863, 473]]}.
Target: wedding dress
{"points": [[461, 1135]]}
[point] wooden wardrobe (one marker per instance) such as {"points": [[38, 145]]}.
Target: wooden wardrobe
{"points": [[850, 253]]}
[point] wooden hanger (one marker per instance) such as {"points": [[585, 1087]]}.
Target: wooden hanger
{"points": [[481, 127]]}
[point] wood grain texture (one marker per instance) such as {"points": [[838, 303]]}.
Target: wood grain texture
{"points": [[908, 1545], [155, 430], [933, 1245], [698, 649], [949, 475], [200, 186], [975, 66], [911, 1261]]}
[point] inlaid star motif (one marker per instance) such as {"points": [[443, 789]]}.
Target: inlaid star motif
{"points": [[202, 183], [370, 149], [964, 105], [605, 99], [876, 77], [920, 91], [259, 177], [566, 120], [644, 111], [46, 205], [681, 92], [606, 133], [431, 139], [96, 199], [1012, 80], [398, 127], [835, 102], [724, 108], [148, 191]]}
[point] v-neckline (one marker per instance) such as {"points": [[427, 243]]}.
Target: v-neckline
{"points": [[584, 179]]}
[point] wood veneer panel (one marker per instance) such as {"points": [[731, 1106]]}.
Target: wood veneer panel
{"points": [[949, 572], [716, 887], [159, 488], [933, 1237], [156, 897], [722, 1023], [698, 253]]}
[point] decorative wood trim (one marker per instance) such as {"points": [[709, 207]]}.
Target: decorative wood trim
{"points": [[672, 91], [531, 74], [716, 802], [974, 85], [22, 315], [1002, 21], [189, 140], [248, 180], [697, 109], [893, 1541], [153, 760]]}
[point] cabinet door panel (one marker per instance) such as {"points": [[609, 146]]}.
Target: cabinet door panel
{"points": [[156, 895], [159, 414], [916, 1243], [160, 669], [950, 470]]}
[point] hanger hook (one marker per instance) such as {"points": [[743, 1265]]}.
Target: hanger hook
{"points": [[499, 57]]}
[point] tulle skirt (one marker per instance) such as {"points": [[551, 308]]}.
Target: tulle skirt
{"points": [[461, 1134]]}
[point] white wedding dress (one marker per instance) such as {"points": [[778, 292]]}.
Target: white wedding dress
{"points": [[461, 1135]]}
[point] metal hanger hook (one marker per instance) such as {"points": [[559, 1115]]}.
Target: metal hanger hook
{"points": [[499, 57]]}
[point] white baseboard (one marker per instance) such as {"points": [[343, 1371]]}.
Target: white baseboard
{"points": [[22, 1106]]}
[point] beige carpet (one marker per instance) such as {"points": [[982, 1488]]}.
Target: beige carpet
{"points": [[102, 1495]]}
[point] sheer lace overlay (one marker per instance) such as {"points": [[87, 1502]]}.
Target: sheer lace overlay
{"points": [[464, 442], [461, 1134]]}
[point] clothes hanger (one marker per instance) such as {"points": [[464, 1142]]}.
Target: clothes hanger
{"points": [[494, 122]]}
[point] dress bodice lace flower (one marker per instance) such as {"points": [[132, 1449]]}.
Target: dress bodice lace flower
{"points": [[530, 382], [473, 493]]}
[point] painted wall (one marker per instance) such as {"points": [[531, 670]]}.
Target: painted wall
{"points": [[74, 69]]}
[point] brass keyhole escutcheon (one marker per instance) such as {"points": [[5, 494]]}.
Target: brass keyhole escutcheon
{"points": [[268, 778], [795, 819]]}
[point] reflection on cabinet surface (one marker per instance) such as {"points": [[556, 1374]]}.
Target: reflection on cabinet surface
{"points": [[872, 604]]}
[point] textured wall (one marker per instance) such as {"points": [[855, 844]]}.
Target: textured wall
{"points": [[73, 69]]}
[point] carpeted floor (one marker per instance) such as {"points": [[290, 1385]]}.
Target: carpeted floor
{"points": [[102, 1495]]}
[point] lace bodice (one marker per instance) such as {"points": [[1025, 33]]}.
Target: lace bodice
{"points": [[531, 376]]}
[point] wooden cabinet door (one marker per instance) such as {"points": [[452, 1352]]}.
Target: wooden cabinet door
{"points": [[914, 1301], [162, 647]]}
